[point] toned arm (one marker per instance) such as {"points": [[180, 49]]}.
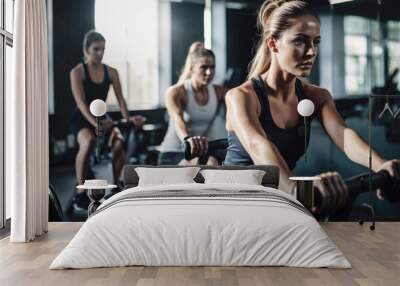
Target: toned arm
{"points": [[345, 138], [76, 78], [118, 92], [174, 103]]}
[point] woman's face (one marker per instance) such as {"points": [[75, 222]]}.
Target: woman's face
{"points": [[95, 51], [298, 46], [203, 70]]}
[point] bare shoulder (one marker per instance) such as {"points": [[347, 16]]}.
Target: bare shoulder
{"points": [[243, 92], [113, 72], [77, 71], [176, 89], [317, 94], [242, 102], [176, 92]]}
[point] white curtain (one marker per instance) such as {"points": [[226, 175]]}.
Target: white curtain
{"points": [[27, 123]]}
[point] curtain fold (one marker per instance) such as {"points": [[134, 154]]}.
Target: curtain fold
{"points": [[27, 123]]}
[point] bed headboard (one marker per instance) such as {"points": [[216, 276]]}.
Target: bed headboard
{"points": [[271, 177]]}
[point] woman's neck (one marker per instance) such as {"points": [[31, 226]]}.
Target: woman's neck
{"points": [[281, 84], [94, 64], [198, 87]]}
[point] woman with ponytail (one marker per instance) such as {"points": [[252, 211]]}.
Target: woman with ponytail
{"points": [[91, 80], [262, 120], [192, 104]]}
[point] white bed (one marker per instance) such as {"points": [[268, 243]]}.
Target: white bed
{"points": [[203, 225]]}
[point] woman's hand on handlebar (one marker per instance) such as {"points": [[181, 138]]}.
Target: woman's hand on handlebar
{"points": [[198, 146], [333, 192], [393, 168], [137, 120], [106, 125]]}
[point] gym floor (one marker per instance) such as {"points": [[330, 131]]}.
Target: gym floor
{"points": [[62, 178]]}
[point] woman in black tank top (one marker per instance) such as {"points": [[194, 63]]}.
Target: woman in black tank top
{"points": [[89, 81], [262, 120]]}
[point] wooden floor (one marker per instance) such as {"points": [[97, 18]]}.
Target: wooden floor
{"points": [[375, 256]]}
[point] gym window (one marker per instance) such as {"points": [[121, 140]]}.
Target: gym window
{"points": [[393, 45], [132, 50], [363, 55]]}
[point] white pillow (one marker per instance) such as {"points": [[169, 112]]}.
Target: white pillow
{"points": [[248, 177], [164, 176]]}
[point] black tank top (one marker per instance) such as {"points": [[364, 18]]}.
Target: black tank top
{"points": [[92, 91], [289, 141], [95, 90]]}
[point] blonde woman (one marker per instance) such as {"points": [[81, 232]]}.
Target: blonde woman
{"points": [[262, 120], [192, 103]]}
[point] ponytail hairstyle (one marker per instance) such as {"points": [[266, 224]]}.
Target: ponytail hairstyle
{"points": [[274, 17], [89, 38], [196, 51]]}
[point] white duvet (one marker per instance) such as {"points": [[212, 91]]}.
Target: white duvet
{"points": [[238, 228]]}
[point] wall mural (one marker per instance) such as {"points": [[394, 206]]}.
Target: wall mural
{"points": [[164, 87]]}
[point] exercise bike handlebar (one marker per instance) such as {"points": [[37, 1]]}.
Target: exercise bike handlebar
{"points": [[356, 185], [361, 182], [380, 180], [212, 147]]}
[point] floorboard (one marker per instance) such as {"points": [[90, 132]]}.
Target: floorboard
{"points": [[374, 255]]}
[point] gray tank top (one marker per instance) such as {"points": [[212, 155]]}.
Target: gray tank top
{"points": [[197, 118]]}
